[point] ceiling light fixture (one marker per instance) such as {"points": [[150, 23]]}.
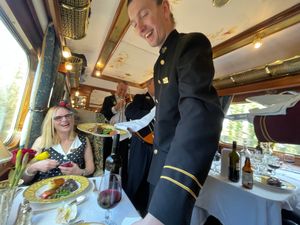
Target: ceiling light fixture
{"points": [[98, 73], [219, 3], [257, 42], [100, 65], [66, 52]]}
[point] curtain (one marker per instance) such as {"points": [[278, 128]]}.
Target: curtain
{"points": [[43, 82], [225, 102], [58, 89]]}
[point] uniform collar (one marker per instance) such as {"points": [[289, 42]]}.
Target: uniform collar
{"points": [[169, 40]]}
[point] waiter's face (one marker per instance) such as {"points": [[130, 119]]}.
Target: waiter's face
{"points": [[149, 20]]}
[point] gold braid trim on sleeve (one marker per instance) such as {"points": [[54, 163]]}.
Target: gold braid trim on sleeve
{"points": [[180, 185], [266, 130], [186, 173]]}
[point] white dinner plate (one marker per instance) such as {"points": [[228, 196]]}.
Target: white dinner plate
{"points": [[34, 191], [285, 186], [91, 128]]}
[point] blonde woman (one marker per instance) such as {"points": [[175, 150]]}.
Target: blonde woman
{"points": [[70, 153]]}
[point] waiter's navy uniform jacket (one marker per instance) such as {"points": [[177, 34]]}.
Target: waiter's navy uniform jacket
{"points": [[188, 123]]}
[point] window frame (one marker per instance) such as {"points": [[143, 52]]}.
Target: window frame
{"points": [[12, 140]]}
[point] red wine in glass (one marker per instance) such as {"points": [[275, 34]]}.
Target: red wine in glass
{"points": [[110, 194], [108, 199]]}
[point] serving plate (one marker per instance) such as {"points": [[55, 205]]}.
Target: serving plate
{"points": [[285, 186], [90, 128], [34, 191]]}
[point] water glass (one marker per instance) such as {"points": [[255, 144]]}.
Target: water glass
{"points": [[7, 197]]}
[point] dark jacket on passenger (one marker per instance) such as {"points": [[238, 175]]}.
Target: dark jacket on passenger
{"points": [[108, 103]]}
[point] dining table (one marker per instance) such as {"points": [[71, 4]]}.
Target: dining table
{"points": [[123, 213], [234, 205]]}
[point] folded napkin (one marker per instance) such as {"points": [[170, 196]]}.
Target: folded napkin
{"points": [[130, 220], [136, 125], [276, 109]]}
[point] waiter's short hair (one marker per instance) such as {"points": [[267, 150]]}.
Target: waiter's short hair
{"points": [[158, 2]]}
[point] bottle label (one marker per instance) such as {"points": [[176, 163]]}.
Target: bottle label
{"points": [[233, 174], [237, 166], [247, 180]]}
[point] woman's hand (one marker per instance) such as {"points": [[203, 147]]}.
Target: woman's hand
{"points": [[72, 170], [42, 166]]}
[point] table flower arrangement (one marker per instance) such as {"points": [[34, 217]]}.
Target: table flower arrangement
{"points": [[20, 159], [7, 193]]}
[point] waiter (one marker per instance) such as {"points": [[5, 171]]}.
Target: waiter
{"points": [[188, 118]]}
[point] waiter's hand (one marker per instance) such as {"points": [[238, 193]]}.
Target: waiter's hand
{"points": [[148, 220]]}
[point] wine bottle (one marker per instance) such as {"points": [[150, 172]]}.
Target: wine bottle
{"points": [[113, 163], [247, 174], [234, 164], [258, 148]]}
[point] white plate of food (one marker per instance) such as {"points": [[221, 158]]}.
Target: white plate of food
{"points": [[100, 129], [274, 183], [56, 189]]}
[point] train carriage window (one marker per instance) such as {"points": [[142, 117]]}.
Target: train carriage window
{"points": [[237, 127], [14, 70]]}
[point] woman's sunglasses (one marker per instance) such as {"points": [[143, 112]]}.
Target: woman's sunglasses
{"points": [[59, 118]]}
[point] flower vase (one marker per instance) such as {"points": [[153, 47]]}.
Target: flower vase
{"points": [[7, 197]]}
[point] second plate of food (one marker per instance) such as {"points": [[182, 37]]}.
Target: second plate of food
{"points": [[99, 129], [274, 183]]}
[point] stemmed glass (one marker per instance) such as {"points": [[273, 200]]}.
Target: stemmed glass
{"points": [[274, 163], [110, 194], [216, 163]]}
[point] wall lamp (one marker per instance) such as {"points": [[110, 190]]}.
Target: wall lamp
{"points": [[66, 52]]}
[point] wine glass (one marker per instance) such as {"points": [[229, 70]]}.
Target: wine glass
{"points": [[289, 159], [216, 163], [110, 194], [274, 164]]}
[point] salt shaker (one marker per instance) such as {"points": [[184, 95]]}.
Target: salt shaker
{"points": [[24, 214]]}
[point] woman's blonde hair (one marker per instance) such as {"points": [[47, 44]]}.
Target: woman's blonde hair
{"points": [[49, 135]]}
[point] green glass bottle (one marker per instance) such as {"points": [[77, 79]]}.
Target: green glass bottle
{"points": [[234, 164]]}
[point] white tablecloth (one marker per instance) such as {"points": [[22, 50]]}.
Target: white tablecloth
{"points": [[234, 205], [89, 211]]}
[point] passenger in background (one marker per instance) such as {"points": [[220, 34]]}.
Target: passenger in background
{"points": [[113, 109], [188, 118], [140, 153], [70, 153]]}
